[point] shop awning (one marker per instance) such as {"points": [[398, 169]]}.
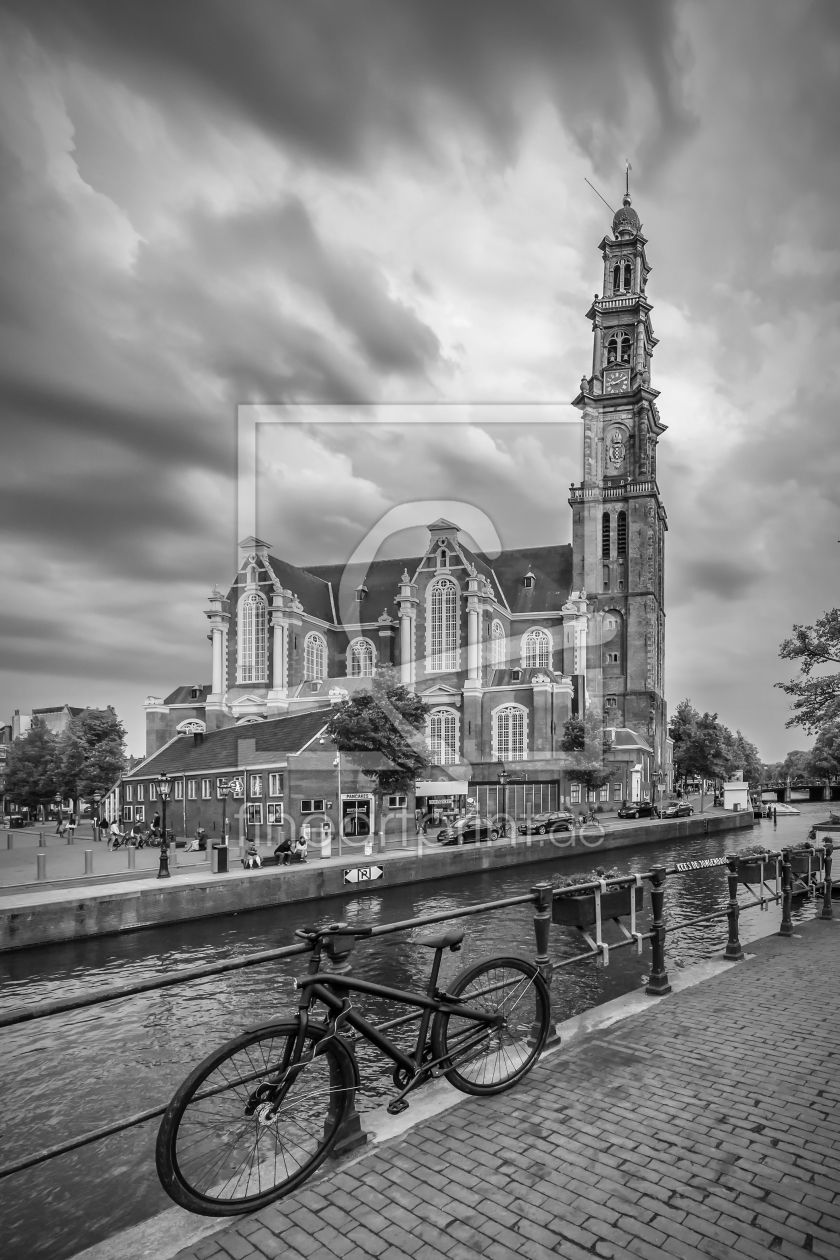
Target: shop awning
{"points": [[441, 787]]}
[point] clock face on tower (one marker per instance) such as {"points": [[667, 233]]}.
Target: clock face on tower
{"points": [[616, 380]]}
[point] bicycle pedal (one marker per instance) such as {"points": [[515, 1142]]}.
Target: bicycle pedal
{"points": [[398, 1105]]}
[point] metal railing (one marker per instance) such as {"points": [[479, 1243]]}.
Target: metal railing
{"points": [[541, 896]]}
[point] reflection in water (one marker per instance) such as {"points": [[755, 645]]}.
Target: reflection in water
{"points": [[80, 1071]]}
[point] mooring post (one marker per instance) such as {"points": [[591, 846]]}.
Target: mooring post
{"points": [[787, 894], [542, 894], [733, 950], [658, 984], [827, 912]]}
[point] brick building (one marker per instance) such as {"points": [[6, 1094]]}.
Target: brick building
{"points": [[502, 651]]}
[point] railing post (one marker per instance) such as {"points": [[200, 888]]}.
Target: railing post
{"points": [[658, 984], [733, 950], [88, 861], [542, 893], [42, 864], [827, 912], [787, 895]]}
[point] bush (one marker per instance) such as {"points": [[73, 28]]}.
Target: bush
{"points": [[571, 881]]}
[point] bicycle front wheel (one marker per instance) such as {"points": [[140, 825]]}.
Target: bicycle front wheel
{"points": [[223, 1149], [484, 1060]]}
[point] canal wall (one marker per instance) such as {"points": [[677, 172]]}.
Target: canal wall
{"points": [[50, 916]]}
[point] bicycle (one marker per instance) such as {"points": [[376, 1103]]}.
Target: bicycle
{"points": [[261, 1113]]}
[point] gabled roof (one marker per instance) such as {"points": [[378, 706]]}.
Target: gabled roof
{"points": [[235, 746]]}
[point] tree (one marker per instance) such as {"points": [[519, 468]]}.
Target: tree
{"points": [[32, 766], [816, 700], [584, 740], [389, 720], [745, 757], [703, 746], [91, 750], [824, 757]]}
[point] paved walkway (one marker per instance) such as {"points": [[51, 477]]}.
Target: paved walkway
{"points": [[705, 1126]]}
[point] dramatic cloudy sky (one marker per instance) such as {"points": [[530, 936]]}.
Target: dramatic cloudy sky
{"points": [[224, 201]]}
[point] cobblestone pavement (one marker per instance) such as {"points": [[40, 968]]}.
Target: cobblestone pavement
{"points": [[706, 1126]]}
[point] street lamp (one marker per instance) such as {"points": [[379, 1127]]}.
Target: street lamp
{"points": [[504, 779], [164, 787], [225, 790]]}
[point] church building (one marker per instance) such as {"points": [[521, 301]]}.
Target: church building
{"points": [[503, 651]]}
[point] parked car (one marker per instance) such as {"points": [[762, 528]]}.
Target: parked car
{"points": [[551, 820], [469, 830], [679, 809], [638, 809]]}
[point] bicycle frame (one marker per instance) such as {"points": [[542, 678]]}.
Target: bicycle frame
{"points": [[314, 988]]}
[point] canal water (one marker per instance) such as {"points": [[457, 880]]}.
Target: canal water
{"points": [[80, 1071]]}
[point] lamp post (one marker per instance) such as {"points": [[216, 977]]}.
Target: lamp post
{"points": [[225, 792], [97, 821], [337, 764], [504, 779], [164, 787]]}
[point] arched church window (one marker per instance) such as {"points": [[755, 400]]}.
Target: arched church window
{"points": [[314, 657], [605, 535], [510, 733], [443, 737], [536, 650], [360, 659], [612, 350], [625, 347], [616, 277], [443, 626], [621, 533], [497, 645], [628, 274], [251, 639]]}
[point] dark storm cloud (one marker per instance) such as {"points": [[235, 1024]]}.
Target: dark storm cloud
{"points": [[335, 78]]}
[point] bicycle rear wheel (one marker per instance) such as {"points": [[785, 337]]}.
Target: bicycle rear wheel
{"points": [[493, 1062], [220, 1151]]}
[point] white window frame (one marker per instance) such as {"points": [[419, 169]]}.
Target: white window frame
{"points": [[129, 791], [617, 792], [604, 792], [252, 639], [192, 787], [397, 802], [206, 789], [128, 813], [152, 791], [443, 627], [311, 670], [254, 812], [507, 749], [255, 785], [443, 734], [541, 658], [361, 658], [179, 790], [574, 793], [140, 794], [275, 784], [139, 813], [313, 805], [498, 644], [274, 811]]}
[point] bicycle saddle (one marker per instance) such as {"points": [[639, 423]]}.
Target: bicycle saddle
{"points": [[452, 939]]}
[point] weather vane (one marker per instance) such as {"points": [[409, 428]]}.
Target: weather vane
{"points": [[627, 177]]}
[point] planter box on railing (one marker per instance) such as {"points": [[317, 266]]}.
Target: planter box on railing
{"points": [[749, 870], [578, 910], [799, 861]]}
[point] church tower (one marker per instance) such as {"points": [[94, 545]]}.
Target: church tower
{"points": [[618, 520]]}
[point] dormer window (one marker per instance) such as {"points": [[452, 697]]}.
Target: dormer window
{"points": [[529, 580], [516, 675]]}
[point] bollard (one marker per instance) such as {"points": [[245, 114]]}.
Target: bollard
{"points": [[787, 895], [658, 984], [42, 864], [132, 857], [71, 839], [10, 839], [733, 950], [542, 894], [88, 861], [40, 839], [827, 912]]}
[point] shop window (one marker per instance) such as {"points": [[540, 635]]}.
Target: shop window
{"points": [[275, 785], [254, 813], [275, 812], [313, 805], [256, 785]]}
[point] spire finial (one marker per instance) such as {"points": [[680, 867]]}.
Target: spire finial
{"points": [[627, 181]]}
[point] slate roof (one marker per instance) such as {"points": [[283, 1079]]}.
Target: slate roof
{"points": [[239, 746], [552, 568], [183, 695], [310, 586]]}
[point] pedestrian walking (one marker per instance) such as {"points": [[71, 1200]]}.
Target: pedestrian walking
{"points": [[58, 824], [418, 821], [62, 828]]}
